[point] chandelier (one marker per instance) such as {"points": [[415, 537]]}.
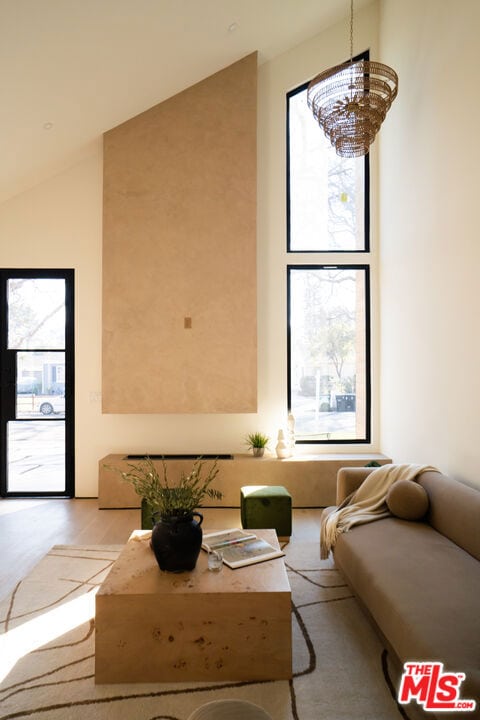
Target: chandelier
{"points": [[350, 101]]}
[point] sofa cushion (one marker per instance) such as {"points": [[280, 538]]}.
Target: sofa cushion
{"points": [[407, 500], [413, 580]]}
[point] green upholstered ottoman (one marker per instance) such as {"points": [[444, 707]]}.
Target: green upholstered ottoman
{"points": [[266, 506]]}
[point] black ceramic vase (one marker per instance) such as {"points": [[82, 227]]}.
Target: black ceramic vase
{"points": [[176, 542]]}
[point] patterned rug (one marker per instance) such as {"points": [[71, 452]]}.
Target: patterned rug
{"points": [[47, 651]]}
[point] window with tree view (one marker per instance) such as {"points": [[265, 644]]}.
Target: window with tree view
{"points": [[327, 353], [328, 302]]}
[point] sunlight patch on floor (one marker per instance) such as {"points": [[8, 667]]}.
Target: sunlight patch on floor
{"points": [[8, 506], [33, 634]]}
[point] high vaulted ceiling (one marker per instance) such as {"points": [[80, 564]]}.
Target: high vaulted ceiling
{"points": [[72, 69]]}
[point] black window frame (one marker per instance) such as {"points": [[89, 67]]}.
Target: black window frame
{"points": [[366, 197], [368, 384], [319, 259], [7, 376]]}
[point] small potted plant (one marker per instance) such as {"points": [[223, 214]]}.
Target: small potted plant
{"points": [[258, 442], [176, 534]]}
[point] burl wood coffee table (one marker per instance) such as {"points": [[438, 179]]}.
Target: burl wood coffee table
{"points": [[153, 626]]}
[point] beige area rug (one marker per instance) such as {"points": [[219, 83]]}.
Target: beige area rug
{"points": [[47, 651]]}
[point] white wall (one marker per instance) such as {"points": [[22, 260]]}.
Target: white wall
{"points": [[59, 224], [430, 245]]}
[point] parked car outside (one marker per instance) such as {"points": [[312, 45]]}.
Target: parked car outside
{"points": [[32, 405], [51, 404]]}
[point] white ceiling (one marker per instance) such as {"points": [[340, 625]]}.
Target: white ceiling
{"points": [[80, 67]]}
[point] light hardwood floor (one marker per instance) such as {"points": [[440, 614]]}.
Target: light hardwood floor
{"points": [[29, 528]]}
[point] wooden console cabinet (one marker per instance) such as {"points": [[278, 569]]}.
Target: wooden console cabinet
{"points": [[310, 479]]}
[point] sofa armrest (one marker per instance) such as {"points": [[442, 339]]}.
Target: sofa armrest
{"points": [[349, 479]]}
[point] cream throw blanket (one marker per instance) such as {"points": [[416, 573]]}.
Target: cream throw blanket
{"points": [[367, 503]]}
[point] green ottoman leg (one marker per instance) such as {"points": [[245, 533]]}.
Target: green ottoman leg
{"points": [[266, 506]]}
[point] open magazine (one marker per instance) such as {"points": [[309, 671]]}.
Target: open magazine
{"points": [[240, 547]]}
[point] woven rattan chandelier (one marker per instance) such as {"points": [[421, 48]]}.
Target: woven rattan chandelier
{"points": [[350, 101]]}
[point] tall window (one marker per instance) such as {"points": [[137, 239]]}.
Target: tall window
{"points": [[36, 383], [328, 301]]}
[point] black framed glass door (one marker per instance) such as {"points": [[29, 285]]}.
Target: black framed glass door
{"points": [[37, 383]]}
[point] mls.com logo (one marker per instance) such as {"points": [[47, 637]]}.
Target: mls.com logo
{"points": [[430, 686]]}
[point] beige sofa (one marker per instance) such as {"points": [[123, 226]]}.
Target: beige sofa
{"points": [[420, 580]]}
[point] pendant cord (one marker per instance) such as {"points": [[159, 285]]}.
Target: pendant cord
{"points": [[351, 30]]}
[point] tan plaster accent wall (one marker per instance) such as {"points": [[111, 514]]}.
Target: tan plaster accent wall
{"points": [[179, 252]]}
